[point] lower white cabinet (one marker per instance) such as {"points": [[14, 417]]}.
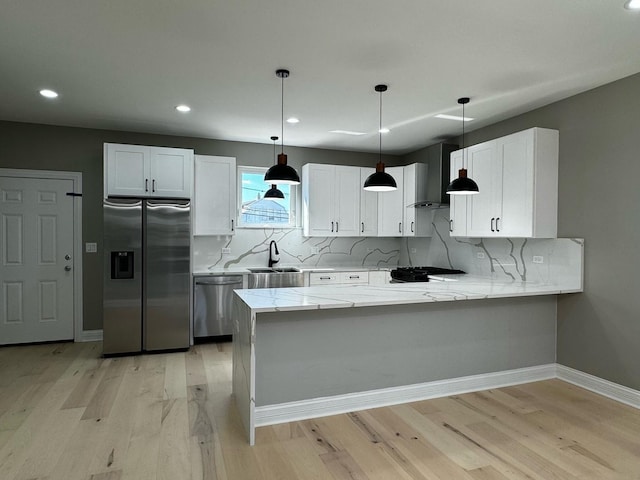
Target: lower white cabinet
{"points": [[339, 278], [214, 203]]}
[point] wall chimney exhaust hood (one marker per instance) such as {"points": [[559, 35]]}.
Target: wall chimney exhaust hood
{"points": [[438, 158]]}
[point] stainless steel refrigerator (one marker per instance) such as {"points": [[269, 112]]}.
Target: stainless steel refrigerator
{"points": [[146, 275]]}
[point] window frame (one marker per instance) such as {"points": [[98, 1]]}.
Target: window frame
{"points": [[293, 201]]}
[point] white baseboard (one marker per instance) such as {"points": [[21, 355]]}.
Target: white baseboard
{"points": [[90, 336], [600, 386], [320, 407]]}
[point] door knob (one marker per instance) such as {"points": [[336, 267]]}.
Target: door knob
{"points": [[67, 268], [67, 257]]}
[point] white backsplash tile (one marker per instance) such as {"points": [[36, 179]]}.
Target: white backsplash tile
{"points": [[502, 258], [250, 247]]}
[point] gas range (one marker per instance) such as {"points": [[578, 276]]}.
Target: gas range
{"points": [[420, 274]]}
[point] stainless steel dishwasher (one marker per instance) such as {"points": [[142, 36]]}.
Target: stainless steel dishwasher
{"points": [[213, 307]]}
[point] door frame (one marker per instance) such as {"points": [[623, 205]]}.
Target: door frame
{"points": [[76, 178]]}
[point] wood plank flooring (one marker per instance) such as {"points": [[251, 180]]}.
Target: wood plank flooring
{"points": [[66, 413]]}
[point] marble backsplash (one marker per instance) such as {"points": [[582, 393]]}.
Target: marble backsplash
{"points": [[500, 258], [250, 247], [508, 259]]}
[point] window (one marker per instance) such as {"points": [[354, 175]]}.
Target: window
{"points": [[259, 212]]}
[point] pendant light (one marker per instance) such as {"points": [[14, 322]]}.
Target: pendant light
{"points": [[273, 192], [380, 181], [463, 185], [281, 173]]}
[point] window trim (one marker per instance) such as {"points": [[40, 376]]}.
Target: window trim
{"points": [[293, 201]]}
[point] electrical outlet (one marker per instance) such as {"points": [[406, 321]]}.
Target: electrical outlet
{"points": [[226, 250], [315, 250], [480, 254], [538, 259], [91, 247]]}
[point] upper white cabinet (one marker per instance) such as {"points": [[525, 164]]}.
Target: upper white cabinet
{"points": [[142, 171], [517, 176], [458, 203], [391, 206], [214, 204], [417, 222], [331, 200], [368, 206]]}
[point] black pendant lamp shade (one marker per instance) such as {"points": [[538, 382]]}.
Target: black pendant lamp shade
{"points": [[281, 173], [463, 185], [380, 181], [273, 192]]}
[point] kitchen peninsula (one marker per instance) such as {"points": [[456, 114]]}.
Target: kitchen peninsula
{"points": [[315, 351]]}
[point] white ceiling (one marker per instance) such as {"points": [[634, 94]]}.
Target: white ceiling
{"points": [[122, 64]]}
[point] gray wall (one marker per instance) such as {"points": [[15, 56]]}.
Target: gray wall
{"points": [[346, 350], [599, 200], [44, 147]]}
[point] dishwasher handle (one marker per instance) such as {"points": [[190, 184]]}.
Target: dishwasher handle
{"points": [[219, 280]]}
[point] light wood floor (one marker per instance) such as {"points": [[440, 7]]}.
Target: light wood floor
{"points": [[66, 413]]}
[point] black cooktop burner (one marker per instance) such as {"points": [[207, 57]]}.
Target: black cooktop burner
{"points": [[420, 274]]}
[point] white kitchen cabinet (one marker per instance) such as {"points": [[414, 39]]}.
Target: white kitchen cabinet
{"points": [[368, 206], [143, 171], [339, 278], [331, 200], [391, 206], [517, 176], [214, 204], [417, 222], [458, 203]]}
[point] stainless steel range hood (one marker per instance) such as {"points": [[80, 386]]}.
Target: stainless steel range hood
{"points": [[438, 158]]}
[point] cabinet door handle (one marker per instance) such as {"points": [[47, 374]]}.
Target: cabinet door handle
{"points": [[362, 227], [354, 276], [400, 227], [451, 225], [232, 227], [146, 184], [497, 219], [492, 220], [411, 227], [332, 226], [325, 278], [153, 185], [336, 227]]}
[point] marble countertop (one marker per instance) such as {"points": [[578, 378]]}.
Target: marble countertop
{"points": [[348, 296], [242, 270]]}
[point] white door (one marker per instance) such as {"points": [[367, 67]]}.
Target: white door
{"points": [[319, 198], [127, 170], [36, 248], [214, 204], [171, 172]]}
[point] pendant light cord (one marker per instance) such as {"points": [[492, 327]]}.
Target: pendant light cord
{"points": [[463, 152], [282, 112], [380, 130]]}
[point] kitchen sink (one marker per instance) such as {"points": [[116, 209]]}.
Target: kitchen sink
{"points": [[275, 277]]}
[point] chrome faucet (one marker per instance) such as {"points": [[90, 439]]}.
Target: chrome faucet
{"points": [[273, 251]]}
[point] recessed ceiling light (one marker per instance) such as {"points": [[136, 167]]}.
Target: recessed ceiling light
{"points": [[293, 120], [347, 132], [183, 108], [632, 5], [48, 93], [453, 117], [384, 130]]}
